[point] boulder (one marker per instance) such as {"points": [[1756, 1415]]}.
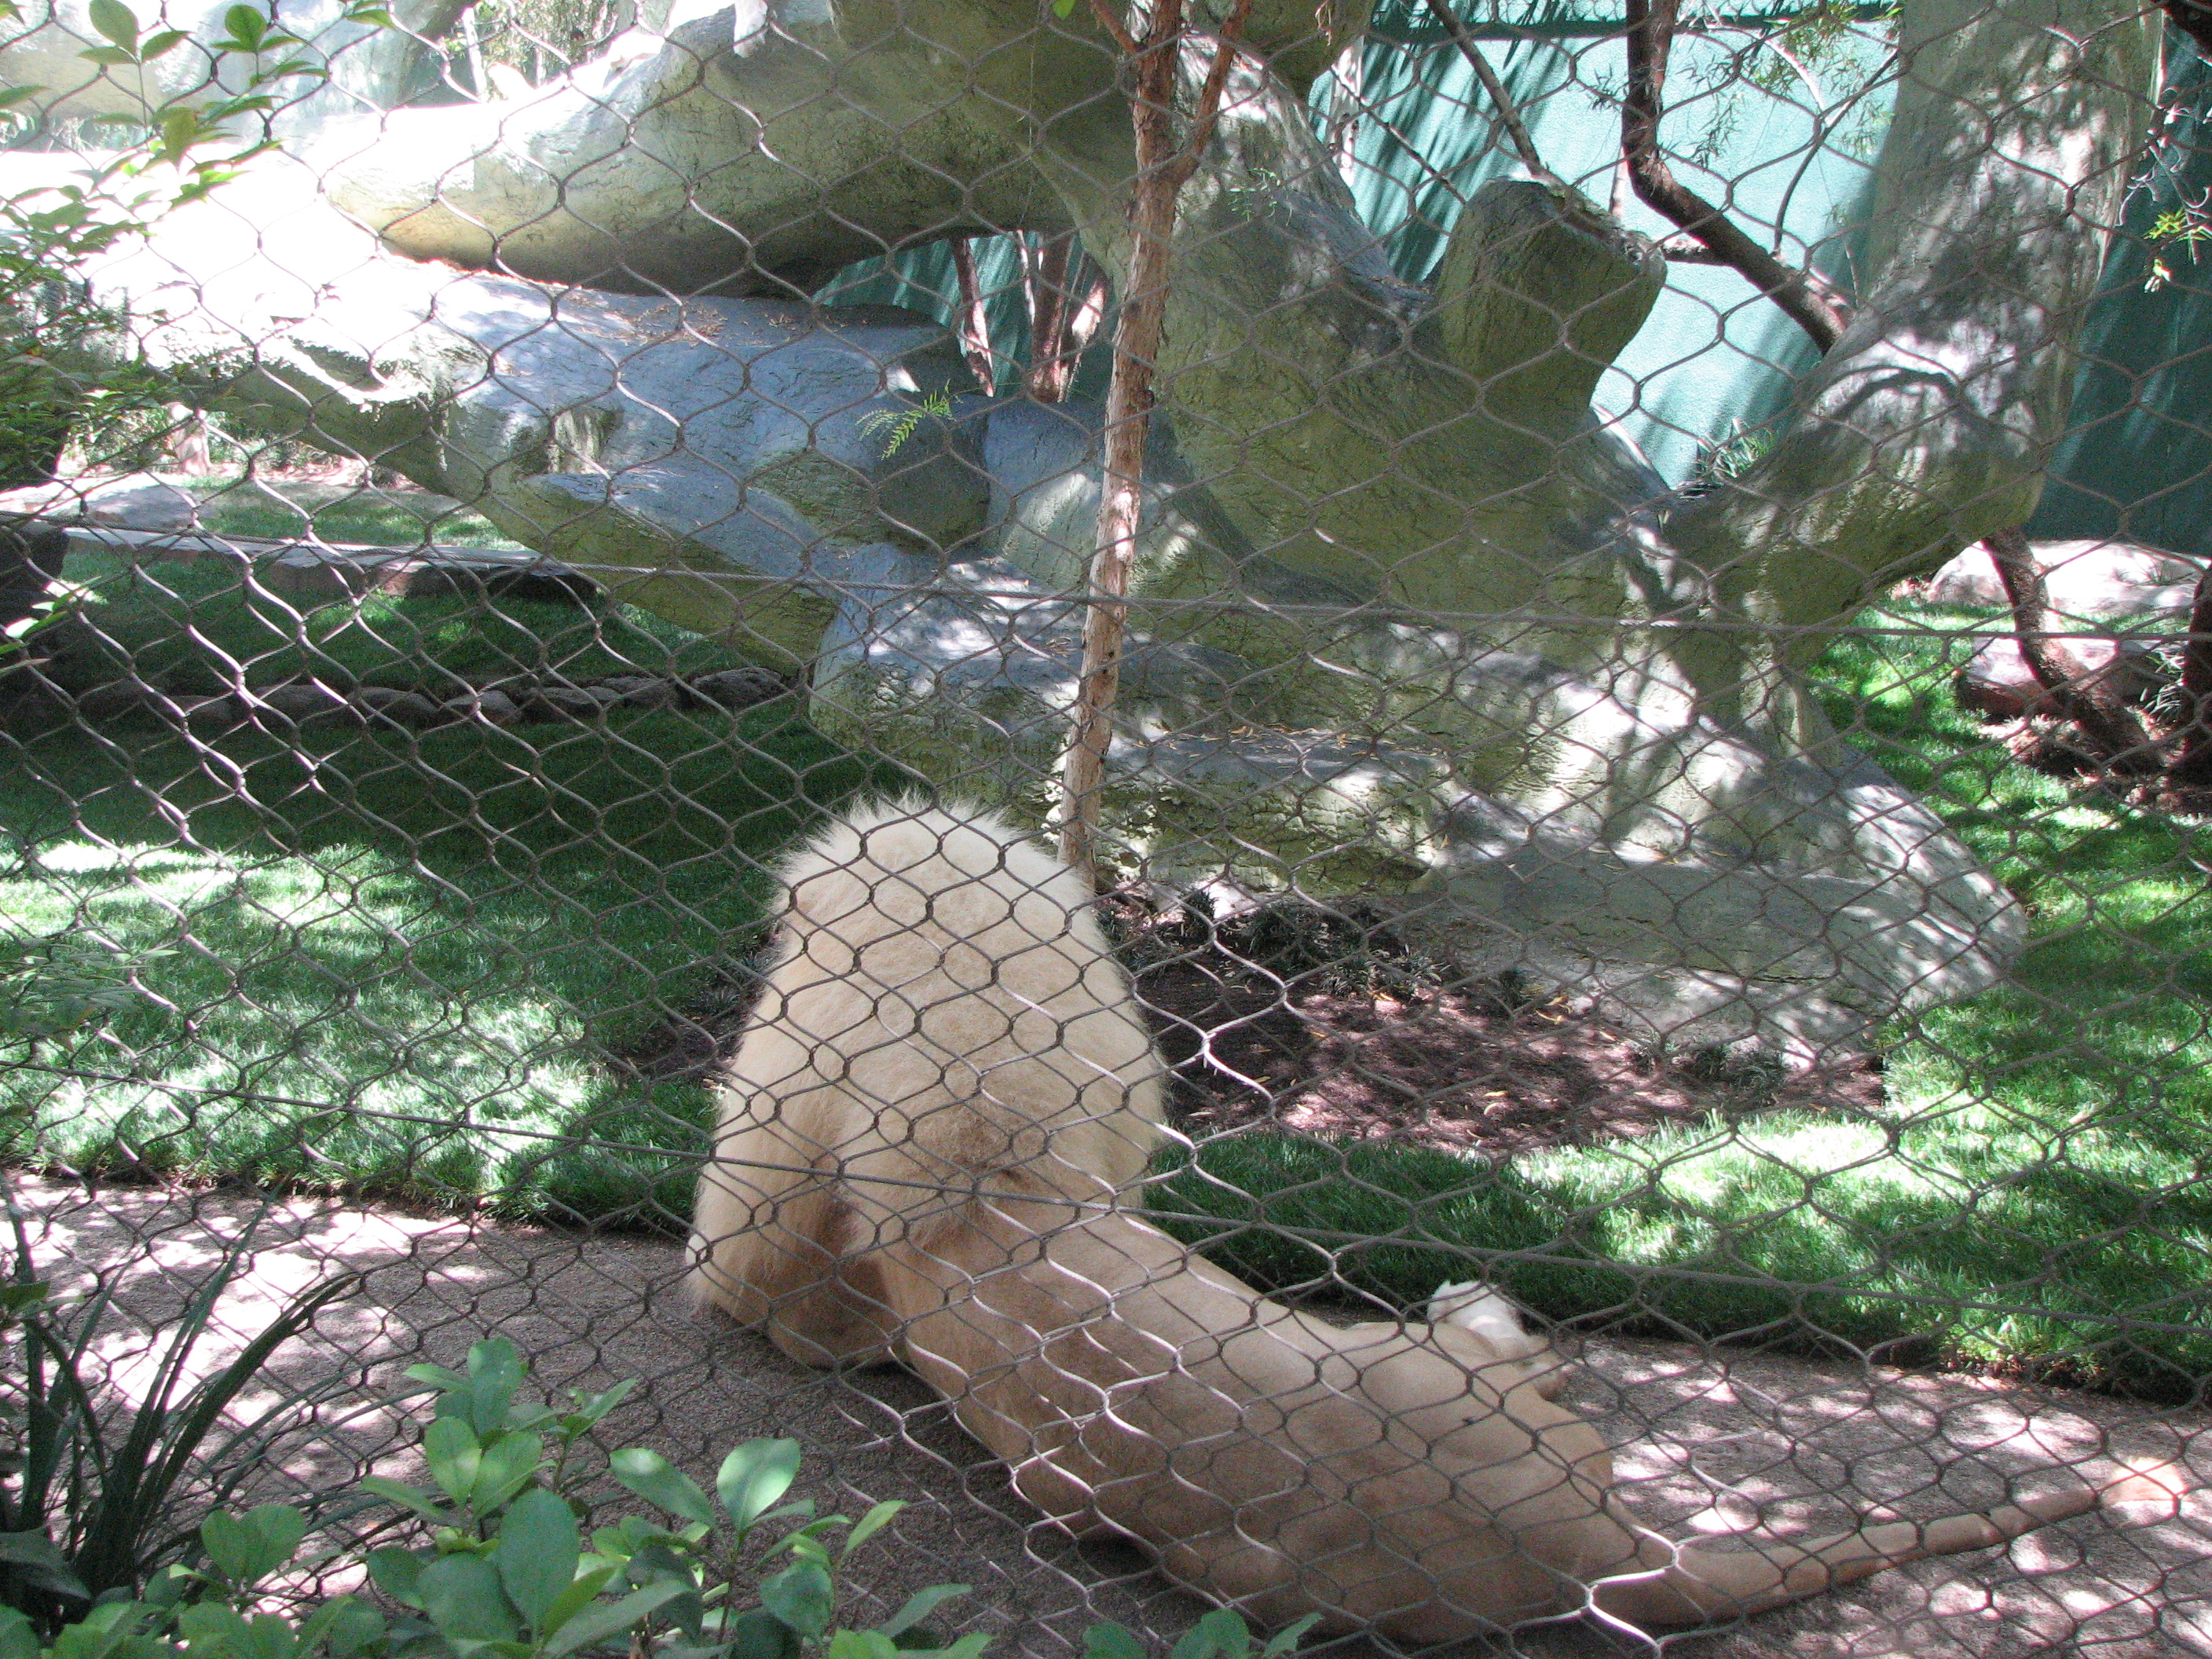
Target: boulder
{"points": [[2083, 578]]}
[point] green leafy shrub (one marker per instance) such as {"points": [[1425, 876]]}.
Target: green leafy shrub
{"points": [[506, 1566]]}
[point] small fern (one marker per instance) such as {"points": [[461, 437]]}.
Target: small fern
{"points": [[893, 427]]}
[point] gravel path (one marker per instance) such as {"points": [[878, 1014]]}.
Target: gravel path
{"points": [[1708, 1442]]}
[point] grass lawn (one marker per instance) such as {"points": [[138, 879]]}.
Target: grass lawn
{"points": [[399, 963], [286, 510], [2035, 1189], [393, 962]]}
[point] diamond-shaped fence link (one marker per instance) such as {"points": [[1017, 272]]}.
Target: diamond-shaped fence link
{"points": [[1616, 1036]]}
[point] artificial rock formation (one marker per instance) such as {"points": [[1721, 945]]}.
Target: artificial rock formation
{"points": [[1407, 617]]}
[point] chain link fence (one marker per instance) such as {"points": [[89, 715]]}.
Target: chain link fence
{"points": [[1633, 587]]}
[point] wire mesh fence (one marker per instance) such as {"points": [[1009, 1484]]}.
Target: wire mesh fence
{"points": [[1540, 680]]}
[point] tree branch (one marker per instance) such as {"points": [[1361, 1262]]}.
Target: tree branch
{"points": [[1163, 169], [1509, 114], [2079, 692], [1650, 43]]}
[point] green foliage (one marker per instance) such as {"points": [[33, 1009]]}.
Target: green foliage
{"points": [[97, 1497], [2029, 1196], [894, 427], [506, 1564], [187, 148]]}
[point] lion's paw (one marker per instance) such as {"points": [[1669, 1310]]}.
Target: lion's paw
{"points": [[1473, 1306]]}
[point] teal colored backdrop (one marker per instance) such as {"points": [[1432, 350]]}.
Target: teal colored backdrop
{"points": [[1788, 154]]}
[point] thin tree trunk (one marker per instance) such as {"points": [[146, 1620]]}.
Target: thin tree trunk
{"points": [[2192, 767], [1347, 96], [1162, 171], [2082, 695], [1046, 272], [975, 316], [1650, 44]]}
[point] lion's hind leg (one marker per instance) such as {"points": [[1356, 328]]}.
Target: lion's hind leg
{"points": [[1497, 1321], [773, 1245]]}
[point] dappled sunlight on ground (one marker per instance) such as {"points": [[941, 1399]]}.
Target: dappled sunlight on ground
{"points": [[1707, 1442]]}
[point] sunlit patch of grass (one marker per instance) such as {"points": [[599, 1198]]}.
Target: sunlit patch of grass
{"points": [[2033, 1193], [376, 517], [399, 963]]}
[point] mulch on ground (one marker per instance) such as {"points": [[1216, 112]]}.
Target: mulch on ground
{"points": [[1324, 1023]]}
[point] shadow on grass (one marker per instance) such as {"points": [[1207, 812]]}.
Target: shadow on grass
{"points": [[2033, 1196], [396, 963]]}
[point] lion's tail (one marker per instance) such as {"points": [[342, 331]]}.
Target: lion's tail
{"points": [[1701, 1583]]}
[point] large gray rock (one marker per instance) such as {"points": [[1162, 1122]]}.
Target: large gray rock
{"points": [[2081, 580]]}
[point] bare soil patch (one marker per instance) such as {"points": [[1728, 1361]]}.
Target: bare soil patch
{"points": [[1323, 1023]]}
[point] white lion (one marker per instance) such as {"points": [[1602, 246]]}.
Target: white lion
{"points": [[927, 1152]]}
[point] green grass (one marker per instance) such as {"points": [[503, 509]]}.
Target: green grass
{"points": [[2034, 1195], [399, 965], [197, 628], [396, 963], [378, 518]]}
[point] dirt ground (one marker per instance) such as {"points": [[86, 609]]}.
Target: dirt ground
{"points": [[1710, 1442]]}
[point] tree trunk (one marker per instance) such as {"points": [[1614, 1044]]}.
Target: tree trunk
{"points": [[2078, 693]]}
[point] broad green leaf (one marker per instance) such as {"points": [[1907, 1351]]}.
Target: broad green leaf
{"points": [[1107, 1640], [17, 1639], [246, 1549], [9, 97], [1220, 1634], [399, 1574], [342, 1627], [537, 1553], [167, 41], [461, 1593], [496, 1370], [596, 1625], [1286, 1640], [968, 1647], [659, 1482], [509, 1463], [760, 1634], [579, 1594], [40, 1563], [754, 1477], [116, 21], [454, 1453], [871, 1523], [109, 56], [802, 1596], [861, 1644], [920, 1604], [249, 26]]}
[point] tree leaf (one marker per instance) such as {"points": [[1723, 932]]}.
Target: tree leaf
{"points": [[1107, 1640], [871, 1523], [536, 1553], [659, 1482], [759, 1634], [802, 1596], [596, 1625], [246, 1549], [454, 1453], [461, 1593], [1286, 1640], [754, 1477], [920, 1604], [1220, 1634], [115, 21], [399, 1574]]}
